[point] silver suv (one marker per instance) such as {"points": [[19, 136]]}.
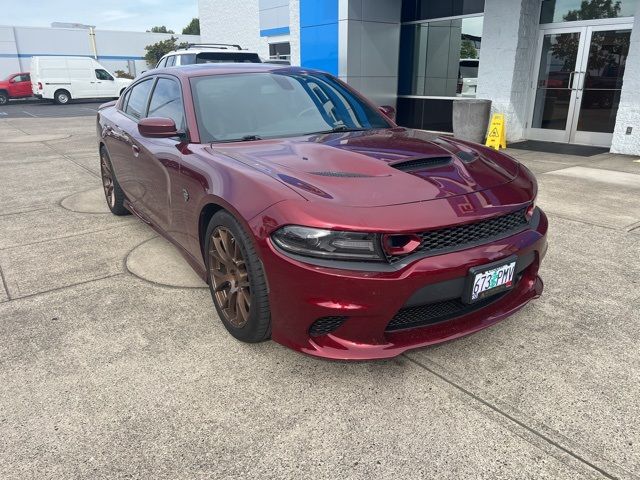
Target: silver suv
{"points": [[208, 53]]}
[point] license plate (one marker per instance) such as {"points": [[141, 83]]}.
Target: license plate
{"points": [[487, 281]]}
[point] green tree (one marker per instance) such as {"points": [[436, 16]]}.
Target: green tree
{"points": [[594, 9], [565, 47], [155, 51], [193, 28], [160, 29], [468, 50]]}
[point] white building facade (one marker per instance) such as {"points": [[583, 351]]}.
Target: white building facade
{"points": [[116, 50], [563, 71]]}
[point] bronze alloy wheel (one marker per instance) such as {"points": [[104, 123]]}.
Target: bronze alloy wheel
{"points": [[107, 180], [229, 277]]}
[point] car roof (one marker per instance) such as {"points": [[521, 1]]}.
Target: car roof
{"points": [[197, 50], [201, 69]]}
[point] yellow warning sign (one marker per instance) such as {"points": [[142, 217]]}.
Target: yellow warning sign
{"points": [[497, 137]]}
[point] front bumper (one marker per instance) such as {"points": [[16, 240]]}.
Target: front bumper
{"points": [[301, 293]]}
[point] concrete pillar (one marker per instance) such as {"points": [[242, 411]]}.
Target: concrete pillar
{"points": [[294, 31], [368, 47], [509, 37], [629, 109]]}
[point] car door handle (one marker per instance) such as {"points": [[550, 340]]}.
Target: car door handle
{"points": [[136, 150]]}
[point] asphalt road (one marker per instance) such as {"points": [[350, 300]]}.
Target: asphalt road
{"points": [[113, 363], [42, 108]]}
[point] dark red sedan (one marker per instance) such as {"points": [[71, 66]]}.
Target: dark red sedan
{"points": [[315, 219]]}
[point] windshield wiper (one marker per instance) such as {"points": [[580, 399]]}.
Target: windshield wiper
{"points": [[338, 128], [246, 138]]}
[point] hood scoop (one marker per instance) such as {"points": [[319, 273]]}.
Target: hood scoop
{"points": [[342, 174], [417, 164]]}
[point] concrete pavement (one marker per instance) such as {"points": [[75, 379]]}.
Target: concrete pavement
{"points": [[115, 366]]}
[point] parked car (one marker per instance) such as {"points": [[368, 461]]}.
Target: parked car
{"points": [[468, 77], [314, 218], [16, 85], [62, 79], [208, 53]]}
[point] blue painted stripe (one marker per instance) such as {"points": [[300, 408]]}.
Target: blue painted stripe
{"points": [[319, 35], [272, 32], [103, 57]]}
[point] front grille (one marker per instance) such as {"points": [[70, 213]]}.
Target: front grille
{"points": [[463, 236], [325, 325], [421, 163], [422, 315]]}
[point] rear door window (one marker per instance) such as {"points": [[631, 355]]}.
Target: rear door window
{"points": [[227, 57], [138, 100]]}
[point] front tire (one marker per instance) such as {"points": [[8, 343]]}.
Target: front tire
{"points": [[112, 191], [4, 98], [237, 280], [61, 97]]}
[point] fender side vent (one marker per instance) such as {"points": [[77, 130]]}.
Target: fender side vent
{"points": [[342, 174], [421, 164]]}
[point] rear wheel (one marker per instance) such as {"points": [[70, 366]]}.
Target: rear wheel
{"points": [[4, 98], [236, 279], [61, 97], [112, 191]]}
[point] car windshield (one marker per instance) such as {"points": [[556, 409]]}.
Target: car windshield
{"points": [[250, 106]]}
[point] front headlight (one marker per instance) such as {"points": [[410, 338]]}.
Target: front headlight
{"points": [[330, 244]]}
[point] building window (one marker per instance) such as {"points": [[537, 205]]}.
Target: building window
{"points": [[554, 11], [413, 10], [280, 51], [440, 58]]}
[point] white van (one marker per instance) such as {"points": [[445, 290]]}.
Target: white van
{"points": [[63, 78]]}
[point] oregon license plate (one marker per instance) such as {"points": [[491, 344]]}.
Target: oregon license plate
{"points": [[486, 281]]}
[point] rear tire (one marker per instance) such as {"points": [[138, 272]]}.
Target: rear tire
{"points": [[61, 97], [112, 192], [236, 279], [4, 98]]}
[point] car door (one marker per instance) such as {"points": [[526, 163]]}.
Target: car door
{"points": [[21, 86], [121, 146], [158, 160], [105, 84]]}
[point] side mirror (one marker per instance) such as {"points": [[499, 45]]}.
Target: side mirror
{"points": [[156, 127], [388, 111]]}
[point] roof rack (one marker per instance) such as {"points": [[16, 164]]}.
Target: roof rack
{"points": [[211, 45]]}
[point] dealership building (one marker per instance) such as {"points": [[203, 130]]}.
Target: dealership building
{"points": [[560, 70]]}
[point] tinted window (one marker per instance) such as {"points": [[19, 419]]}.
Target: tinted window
{"points": [[428, 9], [137, 99], [227, 57], [171, 61], [103, 75], [229, 107], [166, 101], [573, 10], [434, 55], [123, 104], [188, 59]]}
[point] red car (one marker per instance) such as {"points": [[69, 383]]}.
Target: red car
{"points": [[316, 220], [16, 85]]}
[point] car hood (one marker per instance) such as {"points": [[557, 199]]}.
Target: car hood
{"points": [[375, 167], [4, 84]]}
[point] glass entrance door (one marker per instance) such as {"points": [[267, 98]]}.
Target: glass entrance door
{"points": [[578, 84]]}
